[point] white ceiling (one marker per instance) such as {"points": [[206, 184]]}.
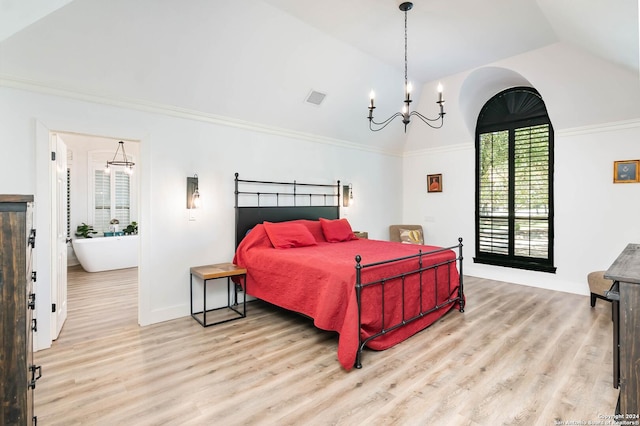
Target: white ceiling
{"points": [[15, 15], [257, 60], [474, 30], [449, 36]]}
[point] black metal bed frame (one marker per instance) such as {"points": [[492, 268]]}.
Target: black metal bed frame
{"points": [[249, 216], [319, 200], [360, 286]]}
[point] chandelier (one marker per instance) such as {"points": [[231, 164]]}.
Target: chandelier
{"points": [[128, 165], [406, 113]]}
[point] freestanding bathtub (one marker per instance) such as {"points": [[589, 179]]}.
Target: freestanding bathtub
{"points": [[106, 253]]}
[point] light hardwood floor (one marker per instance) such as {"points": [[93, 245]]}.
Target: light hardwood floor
{"points": [[517, 356]]}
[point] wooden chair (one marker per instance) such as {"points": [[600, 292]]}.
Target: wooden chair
{"points": [[598, 284]]}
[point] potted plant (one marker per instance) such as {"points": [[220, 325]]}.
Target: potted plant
{"points": [[131, 229], [85, 231]]}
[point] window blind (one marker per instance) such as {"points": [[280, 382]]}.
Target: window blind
{"points": [[102, 201], [493, 226], [122, 197], [531, 192]]}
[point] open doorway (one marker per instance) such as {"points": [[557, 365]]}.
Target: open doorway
{"points": [[103, 202]]}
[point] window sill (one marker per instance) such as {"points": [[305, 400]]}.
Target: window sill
{"points": [[518, 264]]}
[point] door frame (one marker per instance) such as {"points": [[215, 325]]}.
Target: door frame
{"points": [[44, 265]]}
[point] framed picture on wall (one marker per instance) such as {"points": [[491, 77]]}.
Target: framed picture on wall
{"points": [[434, 183], [626, 171]]}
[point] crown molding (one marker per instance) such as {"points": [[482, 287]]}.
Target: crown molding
{"points": [[597, 128], [439, 150], [178, 112]]}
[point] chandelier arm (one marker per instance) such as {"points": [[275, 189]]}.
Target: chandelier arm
{"points": [[384, 123], [428, 120], [439, 117]]}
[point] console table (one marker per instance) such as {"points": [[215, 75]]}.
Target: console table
{"points": [[625, 272]]}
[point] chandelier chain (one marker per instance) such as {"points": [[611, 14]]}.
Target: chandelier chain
{"points": [[406, 81]]}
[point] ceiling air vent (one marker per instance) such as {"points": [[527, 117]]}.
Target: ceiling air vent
{"points": [[315, 98]]}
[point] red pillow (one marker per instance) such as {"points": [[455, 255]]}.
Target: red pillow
{"points": [[289, 235], [337, 230], [314, 227]]}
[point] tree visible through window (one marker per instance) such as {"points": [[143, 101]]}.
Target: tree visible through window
{"points": [[514, 182]]}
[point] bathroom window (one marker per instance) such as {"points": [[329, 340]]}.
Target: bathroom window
{"points": [[112, 199], [102, 201], [122, 197], [110, 193]]}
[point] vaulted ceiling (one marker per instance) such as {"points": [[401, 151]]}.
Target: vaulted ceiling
{"points": [[257, 60], [446, 37]]}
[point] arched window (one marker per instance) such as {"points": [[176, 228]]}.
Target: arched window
{"points": [[514, 182]]}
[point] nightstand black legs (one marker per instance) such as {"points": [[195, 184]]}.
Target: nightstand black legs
{"points": [[212, 272]]}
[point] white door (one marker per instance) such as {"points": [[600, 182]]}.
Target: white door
{"points": [[59, 221]]}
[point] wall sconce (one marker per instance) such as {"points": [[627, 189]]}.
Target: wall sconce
{"points": [[193, 194], [347, 195]]}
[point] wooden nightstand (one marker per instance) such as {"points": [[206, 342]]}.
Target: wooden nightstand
{"points": [[362, 234], [212, 272]]}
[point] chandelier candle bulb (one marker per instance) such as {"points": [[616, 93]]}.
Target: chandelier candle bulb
{"points": [[372, 96], [440, 92]]}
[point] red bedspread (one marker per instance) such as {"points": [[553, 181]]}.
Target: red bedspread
{"points": [[319, 281]]}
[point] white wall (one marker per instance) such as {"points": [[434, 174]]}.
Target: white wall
{"points": [[595, 110], [171, 149]]}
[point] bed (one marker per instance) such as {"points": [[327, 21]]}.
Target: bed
{"points": [[301, 256]]}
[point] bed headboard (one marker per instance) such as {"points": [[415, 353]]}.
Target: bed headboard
{"points": [[259, 201]]}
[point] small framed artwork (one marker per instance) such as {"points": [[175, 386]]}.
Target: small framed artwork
{"points": [[434, 183], [626, 171]]}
